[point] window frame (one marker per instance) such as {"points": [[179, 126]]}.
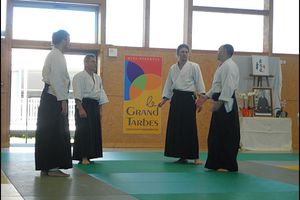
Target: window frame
{"points": [[266, 13], [61, 4]]}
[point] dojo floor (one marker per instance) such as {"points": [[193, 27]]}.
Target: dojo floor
{"points": [[144, 174]]}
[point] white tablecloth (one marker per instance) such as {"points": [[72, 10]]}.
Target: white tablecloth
{"points": [[266, 134]]}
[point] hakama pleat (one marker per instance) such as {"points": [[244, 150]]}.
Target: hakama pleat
{"points": [[224, 139], [181, 135], [52, 147], [88, 139]]}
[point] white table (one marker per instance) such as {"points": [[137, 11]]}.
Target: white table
{"points": [[266, 134]]}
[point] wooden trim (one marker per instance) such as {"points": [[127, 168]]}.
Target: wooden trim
{"points": [[146, 28], [268, 28], [102, 32], [9, 19], [230, 10], [6, 74], [188, 22], [31, 44]]}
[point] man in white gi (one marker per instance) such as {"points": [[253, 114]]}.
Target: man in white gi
{"points": [[52, 146], [184, 83], [224, 132], [89, 97]]}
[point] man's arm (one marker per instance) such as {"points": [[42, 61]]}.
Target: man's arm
{"points": [[82, 112]]}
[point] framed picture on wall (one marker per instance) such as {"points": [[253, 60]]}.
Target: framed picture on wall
{"points": [[260, 65], [262, 100]]}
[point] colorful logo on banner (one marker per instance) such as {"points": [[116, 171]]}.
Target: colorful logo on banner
{"points": [[142, 92]]}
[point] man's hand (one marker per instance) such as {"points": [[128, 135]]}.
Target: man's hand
{"points": [[162, 102], [64, 107], [216, 106], [82, 113], [200, 101]]}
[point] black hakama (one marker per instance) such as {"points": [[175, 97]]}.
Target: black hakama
{"points": [[223, 138], [88, 139], [52, 146], [181, 136]]}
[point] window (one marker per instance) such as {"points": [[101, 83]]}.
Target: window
{"points": [[166, 23], [37, 21], [124, 22], [27, 86], [253, 4], [27, 83], [211, 30], [286, 27]]}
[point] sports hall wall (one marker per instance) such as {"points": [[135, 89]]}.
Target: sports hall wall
{"points": [[112, 72]]}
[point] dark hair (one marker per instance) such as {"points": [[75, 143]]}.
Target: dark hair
{"points": [[87, 57], [59, 36], [229, 49], [182, 46]]}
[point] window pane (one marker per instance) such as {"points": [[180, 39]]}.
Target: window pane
{"points": [[27, 85], [250, 4], [3, 17], [166, 23], [211, 30], [124, 22], [286, 27], [40, 23]]}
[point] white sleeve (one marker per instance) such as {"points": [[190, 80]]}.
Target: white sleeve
{"points": [[199, 83], [103, 97], [167, 92], [228, 88], [77, 87], [212, 89]]}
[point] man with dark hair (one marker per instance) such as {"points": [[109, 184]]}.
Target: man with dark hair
{"points": [[184, 83], [89, 97], [52, 146], [59, 36], [224, 132], [229, 50]]}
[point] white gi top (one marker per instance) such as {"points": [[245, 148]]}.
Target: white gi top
{"points": [[226, 82], [55, 73], [85, 87], [189, 78]]}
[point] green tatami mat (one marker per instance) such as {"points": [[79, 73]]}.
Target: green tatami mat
{"points": [[136, 166], [148, 175], [151, 176], [148, 155]]}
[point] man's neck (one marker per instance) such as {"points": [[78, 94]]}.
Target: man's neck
{"points": [[60, 48], [181, 63], [223, 60], [89, 72]]}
